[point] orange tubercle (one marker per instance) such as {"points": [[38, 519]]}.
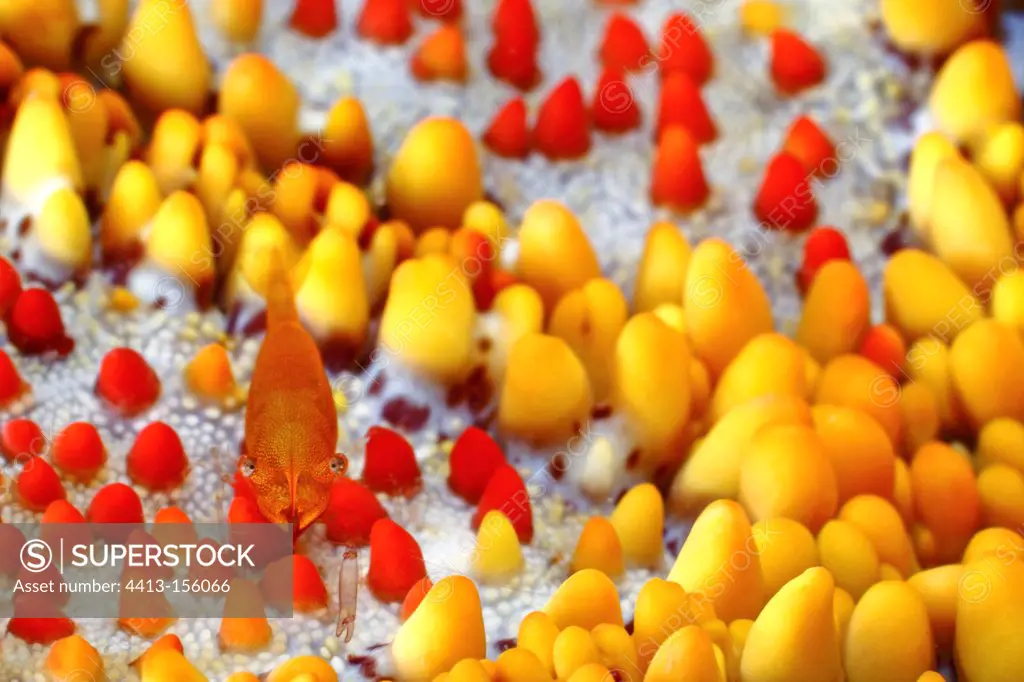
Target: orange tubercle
{"points": [[442, 56], [172, 526], [78, 451], [148, 626], [247, 632], [209, 373], [167, 642], [62, 511]]}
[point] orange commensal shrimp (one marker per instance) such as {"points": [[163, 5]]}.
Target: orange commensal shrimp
{"points": [[291, 423]]}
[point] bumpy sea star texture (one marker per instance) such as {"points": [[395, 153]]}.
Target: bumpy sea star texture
{"points": [[815, 541]]}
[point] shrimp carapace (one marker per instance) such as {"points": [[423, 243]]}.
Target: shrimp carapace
{"points": [[291, 423]]}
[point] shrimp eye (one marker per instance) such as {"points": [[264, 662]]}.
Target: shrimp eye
{"points": [[248, 467], [339, 464]]}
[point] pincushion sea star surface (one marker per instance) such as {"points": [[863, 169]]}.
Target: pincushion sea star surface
{"points": [[825, 446]]}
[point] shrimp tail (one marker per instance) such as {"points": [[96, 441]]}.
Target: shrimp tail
{"points": [[279, 294]]}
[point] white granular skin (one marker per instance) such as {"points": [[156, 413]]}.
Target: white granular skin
{"points": [[859, 105]]}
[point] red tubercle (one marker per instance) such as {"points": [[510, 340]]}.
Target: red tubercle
{"points": [[614, 109], [795, 64], [562, 129], [314, 18], [473, 460], [43, 631], [10, 286], [157, 459], [21, 439], [514, 61], [243, 486], [884, 345], [309, 592], [352, 509], [473, 251], [62, 511], [684, 49], [507, 493], [681, 103], [390, 466], [115, 503], [823, 244], [294, 583], [78, 451], [486, 289], [396, 562], [677, 178], [35, 326], [126, 382], [513, 55], [508, 133], [245, 510], [414, 598], [387, 22], [38, 485], [515, 18], [367, 232], [502, 279], [624, 45], [808, 142], [12, 386], [12, 540], [785, 200]]}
